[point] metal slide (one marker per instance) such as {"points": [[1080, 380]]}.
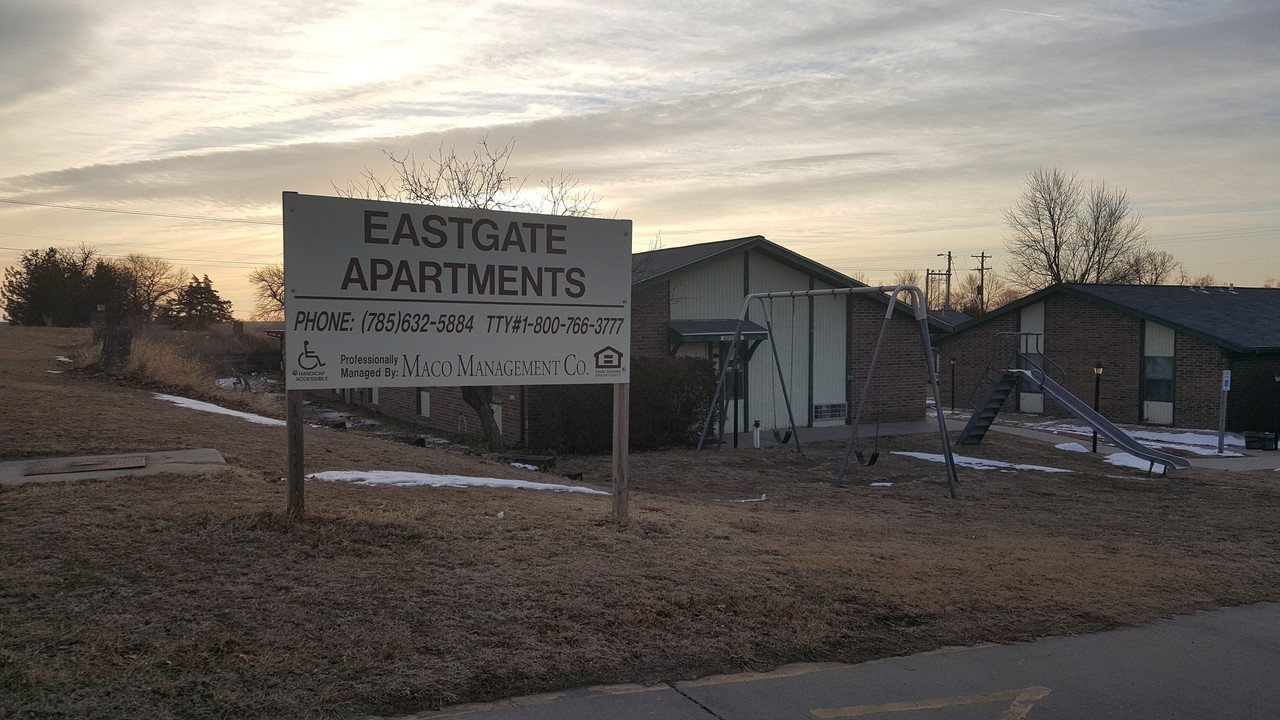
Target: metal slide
{"points": [[1105, 427]]}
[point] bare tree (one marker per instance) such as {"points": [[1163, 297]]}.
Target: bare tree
{"points": [[1040, 226], [151, 282], [974, 296], [1109, 235], [480, 180], [562, 196], [1062, 232], [1154, 267], [268, 291], [907, 277], [1205, 279], [444, 177]]}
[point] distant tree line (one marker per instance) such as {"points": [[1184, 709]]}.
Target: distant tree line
{"points": [[64, 287]]}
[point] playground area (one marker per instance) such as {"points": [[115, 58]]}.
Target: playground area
{"points": [[191, 595]]}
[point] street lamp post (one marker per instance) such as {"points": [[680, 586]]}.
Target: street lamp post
{"points": [[953, 382], [1097, 395], [1277, 445]]}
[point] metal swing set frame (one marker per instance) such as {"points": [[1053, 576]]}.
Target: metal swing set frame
{"points": [[893, 291]]}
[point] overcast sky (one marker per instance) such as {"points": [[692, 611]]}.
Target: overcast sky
{"points": [[870, 136]]}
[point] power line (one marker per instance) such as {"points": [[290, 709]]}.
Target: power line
{"points": [[174, 216], [220, 263], [132, 245]]}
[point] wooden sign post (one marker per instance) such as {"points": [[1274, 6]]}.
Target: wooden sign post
{"points": [[621, 444]]}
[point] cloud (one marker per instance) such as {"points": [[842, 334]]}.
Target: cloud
{"points": [[44, 46], [857, 132]]}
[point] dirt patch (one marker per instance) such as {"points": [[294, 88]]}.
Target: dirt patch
{"points": [[192, 597]]}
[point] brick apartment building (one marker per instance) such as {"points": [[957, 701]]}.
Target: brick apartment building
{"points": [[1162, 351], [685, 302]]}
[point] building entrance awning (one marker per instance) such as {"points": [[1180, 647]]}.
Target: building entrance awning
{"points": [[682, 332]]}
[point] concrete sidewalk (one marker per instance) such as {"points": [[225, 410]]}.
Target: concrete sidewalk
{"points": [[1219, 664], [1259, 460], [87, 467]]}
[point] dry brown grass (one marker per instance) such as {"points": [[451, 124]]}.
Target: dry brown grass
{"points": [[191, 596], [156, 360]]}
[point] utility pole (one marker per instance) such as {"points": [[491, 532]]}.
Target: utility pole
{"points": [[929, 275], [946, 305], [982, 280]]}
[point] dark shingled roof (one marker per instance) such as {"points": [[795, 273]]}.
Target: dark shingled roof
{"points": [[693, 329], [949, 317], [652, 265], [648, 265], [1239, 319]]}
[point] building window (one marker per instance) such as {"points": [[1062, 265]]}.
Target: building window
{"points": [[831, 411], [424, 403], [1157, 385]]}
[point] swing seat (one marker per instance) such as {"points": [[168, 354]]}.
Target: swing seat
{"points": [[780, 438], [865, 461]]}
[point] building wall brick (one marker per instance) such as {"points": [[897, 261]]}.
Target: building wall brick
{"points": [[896, 392], [1077, 335], [650, 313]]}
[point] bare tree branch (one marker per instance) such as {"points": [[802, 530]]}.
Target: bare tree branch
{"points": [[1060, 232], [268, 291]]}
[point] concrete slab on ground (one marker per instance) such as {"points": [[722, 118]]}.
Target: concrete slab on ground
{"points": [[87, 467], [1218, 664]]}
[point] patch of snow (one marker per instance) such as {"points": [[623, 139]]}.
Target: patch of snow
{"points": [[211, 408], [1072, 447], [413, 479], [979, 463], [227, 383], [882, 484], [1197, 449], [56, 372], [1174, 438], [348, 421], [64, 358], [1124, 459], [526, 466]]}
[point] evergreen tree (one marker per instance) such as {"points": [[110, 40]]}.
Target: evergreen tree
{"points": [[49, 287], [197, 305]]}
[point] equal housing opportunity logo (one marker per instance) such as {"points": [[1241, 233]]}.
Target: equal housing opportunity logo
{"points": [[608, 361]]}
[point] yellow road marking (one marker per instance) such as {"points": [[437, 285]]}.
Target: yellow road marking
{"points": [[1020, 703]]}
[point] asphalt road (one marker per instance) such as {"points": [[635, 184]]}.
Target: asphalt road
{"points": [[1221, 664]]}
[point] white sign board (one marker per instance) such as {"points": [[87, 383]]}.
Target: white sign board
{"points": [[403, 295], [1226, 381]]}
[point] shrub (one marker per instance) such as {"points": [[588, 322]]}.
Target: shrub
{"points": [[669, 400]]}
